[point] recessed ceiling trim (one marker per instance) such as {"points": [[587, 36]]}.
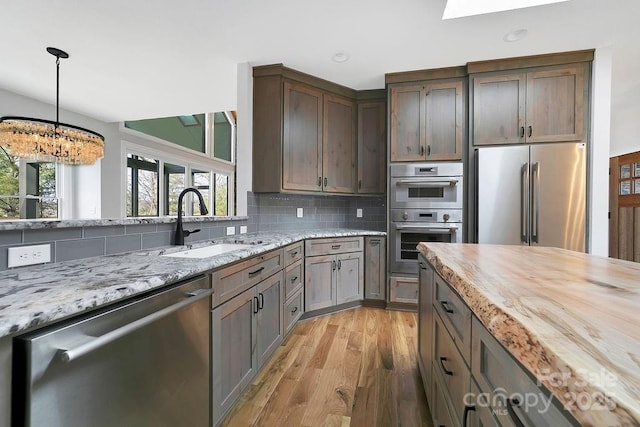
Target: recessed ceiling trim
{"points": [[462, 8]]}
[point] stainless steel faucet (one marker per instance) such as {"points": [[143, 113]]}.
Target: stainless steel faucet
{"points": [[180, 233]]}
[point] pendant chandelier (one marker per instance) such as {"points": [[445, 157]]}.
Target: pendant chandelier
{"points": [[50, 141]]}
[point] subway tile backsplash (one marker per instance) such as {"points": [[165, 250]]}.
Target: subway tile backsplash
{"points": [[266, 212]]}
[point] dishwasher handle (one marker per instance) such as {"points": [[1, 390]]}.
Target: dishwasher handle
{"points": [[70, 355]]}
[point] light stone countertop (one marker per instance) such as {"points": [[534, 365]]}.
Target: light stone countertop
{"points": [[558, 313], [37, 295]]}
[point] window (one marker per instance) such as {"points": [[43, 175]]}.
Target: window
{"points": [[159, 171], [629, 179], [28, 190]]}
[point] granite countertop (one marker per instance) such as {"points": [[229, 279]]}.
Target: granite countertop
{"points": [[559, 312], [36, 295]]}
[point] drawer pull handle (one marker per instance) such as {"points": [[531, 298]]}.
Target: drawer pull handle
{"points": [[261, 301], [465, 417], [293, 279], [375, 241], [445, 305], [333, 265], [422, 266], [511, 405], [446, 371], [335, 246], [294, 309], [253, 273], [293, 254]]}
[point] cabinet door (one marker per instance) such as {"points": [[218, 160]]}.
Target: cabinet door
{"points": [[375, 268], [498, 109], [349, 277], [407, 125], [556, 105], [443, 121], [302, 138], [372, 144], [339, 145], [403, 290], [232, 356], [425, 325], [319, 291], [269, 326]]}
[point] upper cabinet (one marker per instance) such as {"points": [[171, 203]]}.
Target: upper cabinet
{"points": [[372, 146], [305, 136], [530, 105], [427, 117]]}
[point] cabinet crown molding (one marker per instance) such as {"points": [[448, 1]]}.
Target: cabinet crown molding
{"points": [[560, 58]]}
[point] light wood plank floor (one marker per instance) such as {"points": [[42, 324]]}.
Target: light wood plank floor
{"points": [[357, 367]]}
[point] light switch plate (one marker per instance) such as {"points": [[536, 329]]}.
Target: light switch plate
{"points": [[231, 231], [299, 212], [358, 213], [243, 229], [28, 255]]}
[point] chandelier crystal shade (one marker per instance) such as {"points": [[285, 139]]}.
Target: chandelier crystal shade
{"points": [[50, 141]]}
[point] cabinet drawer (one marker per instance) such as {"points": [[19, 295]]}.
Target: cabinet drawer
{"points": [[230, 281], [333, 246], [439, 409], [293, 309], [403, 289], [479, 412], [489, 363], [450, 367], [293, 253], [455, 315], [293, 276]]}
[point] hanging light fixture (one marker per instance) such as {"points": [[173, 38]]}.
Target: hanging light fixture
{"points": [[51, 141]]}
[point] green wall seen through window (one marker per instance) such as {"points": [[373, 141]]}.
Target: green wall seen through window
{"points": [[173, 130]]}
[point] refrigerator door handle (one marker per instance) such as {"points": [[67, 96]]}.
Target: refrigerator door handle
{"points": [[535, 199], [524, 203]]}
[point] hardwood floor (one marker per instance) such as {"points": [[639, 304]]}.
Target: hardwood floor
{"points": [[353, 368]]}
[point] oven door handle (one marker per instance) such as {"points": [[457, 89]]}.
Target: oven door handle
{"points": [[434, 230], [426, 183]]}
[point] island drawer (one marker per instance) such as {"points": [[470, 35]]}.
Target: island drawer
{"points": [[455, 315], [293, 277], [449, 366], [516, 398], [293, 252], [339, 245], [293, 309], [438, 406], [231, 281]]}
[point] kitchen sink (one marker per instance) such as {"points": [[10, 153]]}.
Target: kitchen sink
{"points": [[208, 251]]}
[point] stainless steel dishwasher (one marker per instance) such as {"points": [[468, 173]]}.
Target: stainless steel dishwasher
{"points": [[143, 363]]}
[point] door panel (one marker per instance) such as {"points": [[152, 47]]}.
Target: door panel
{"points": [[372, 145], [349, 277], [443, 121], [339, 145], [319, 282], [269, 319], [498, 109], [407, 134], [302, 139], [502, 212], [558, 190]]}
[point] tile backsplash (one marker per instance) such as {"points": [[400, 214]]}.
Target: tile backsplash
{"points": [[266, 212]]}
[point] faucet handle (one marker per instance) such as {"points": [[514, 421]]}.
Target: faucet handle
{"points": [[187, 232]]}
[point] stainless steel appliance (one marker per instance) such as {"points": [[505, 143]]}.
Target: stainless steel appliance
{"points": [[143, 363], [425, 206], [532, 195]]}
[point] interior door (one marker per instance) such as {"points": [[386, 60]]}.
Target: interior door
{"points": [[558, 195], [503, 195]]}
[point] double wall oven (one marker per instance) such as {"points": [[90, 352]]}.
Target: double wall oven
{"points": [[425, 205]]}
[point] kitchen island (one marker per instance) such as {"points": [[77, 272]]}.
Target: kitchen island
{"points": [[569, 319]]}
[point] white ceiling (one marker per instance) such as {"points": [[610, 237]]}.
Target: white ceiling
{"points": [[133, 59]]}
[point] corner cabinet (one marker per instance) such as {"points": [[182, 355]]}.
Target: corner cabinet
{"points": [[427, 120], [547, 104], [334, 272], [305, 136]]}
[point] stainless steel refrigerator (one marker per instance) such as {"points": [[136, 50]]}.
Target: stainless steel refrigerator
{"points": [[532, 195]]}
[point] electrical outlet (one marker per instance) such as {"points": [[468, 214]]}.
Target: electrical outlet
{"points": [[243, 229], [231, 231], [299, 212], [358, 213], [28, 255]]}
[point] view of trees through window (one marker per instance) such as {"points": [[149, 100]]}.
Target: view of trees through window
{"points": [[35, 198]]}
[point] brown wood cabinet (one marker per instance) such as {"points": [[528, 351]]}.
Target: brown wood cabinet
{"points": [[426, 120], [305, 135], [372, 146], [547, 104]]}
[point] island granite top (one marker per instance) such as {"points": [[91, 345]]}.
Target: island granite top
{"points": [[557, 311], [37, 295]]}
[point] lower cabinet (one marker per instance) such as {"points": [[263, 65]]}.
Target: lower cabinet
{"points": [[403, 290], [375, 269], [246, 331], [425, 325]]}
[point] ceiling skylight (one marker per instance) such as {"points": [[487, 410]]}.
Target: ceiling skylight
{"points": [[460, 8]]}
